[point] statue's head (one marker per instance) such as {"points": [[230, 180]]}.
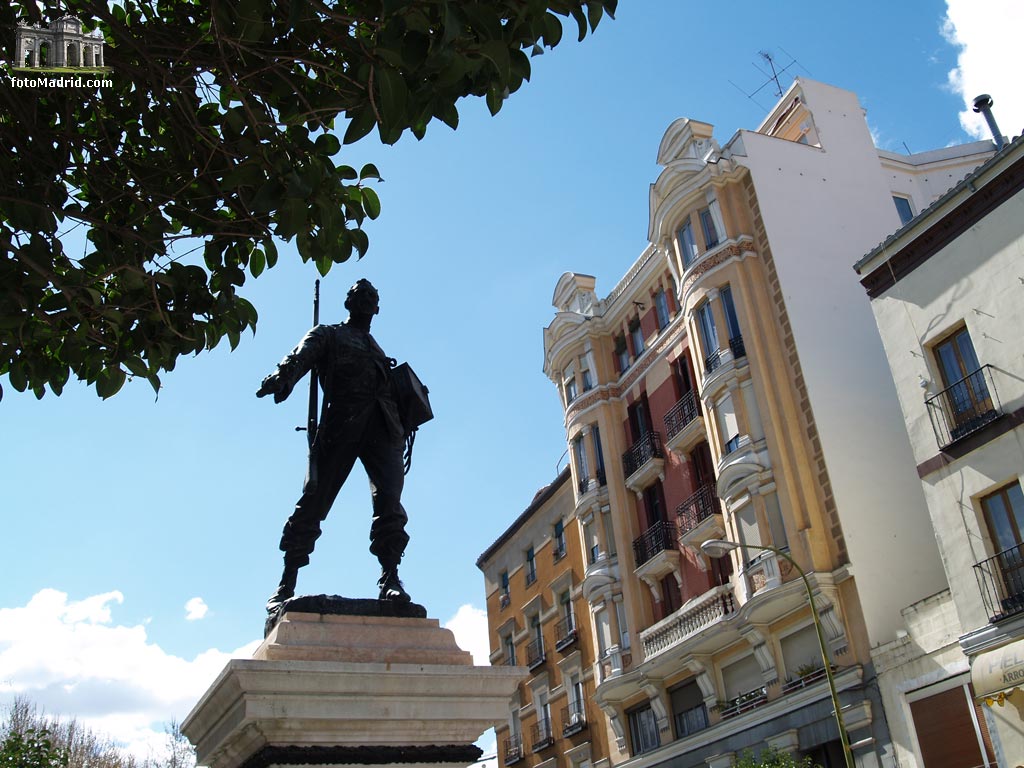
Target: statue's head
{"points": [[362, 299]]}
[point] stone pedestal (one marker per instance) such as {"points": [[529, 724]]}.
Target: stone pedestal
{"points": [[344, 690]]}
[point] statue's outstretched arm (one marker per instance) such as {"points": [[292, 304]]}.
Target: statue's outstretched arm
{"points": [[294, 366]]}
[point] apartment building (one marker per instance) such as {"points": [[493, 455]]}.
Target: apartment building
{"points": [[947, 292], [537, 619], [732, 385]]}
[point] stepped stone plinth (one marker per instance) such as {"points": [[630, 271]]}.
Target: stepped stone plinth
{"points": [[336, 689]]}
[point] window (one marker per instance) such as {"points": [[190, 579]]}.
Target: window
{"points": [[654, 503], [510, 650], [505, 596], [1004, 514], [687, 244], [569, 385], [582, 470], [731, 321], [620, 617], [707, 225], [661, 309], [585, 373], [595, 436], [531, 567], [708, 335], [965, 397], [590, 537], [636, 335], [671, 600], [621, 353], [903, 208], [643, 730], [689, 714], [559, 540]]}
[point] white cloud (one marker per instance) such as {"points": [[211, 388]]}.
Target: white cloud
{"points": [[470, 627], [71, 658], [196, 609], [987, 34]]}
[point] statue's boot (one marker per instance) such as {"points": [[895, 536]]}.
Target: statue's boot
{"points": [[286, 588], [391, 586]]}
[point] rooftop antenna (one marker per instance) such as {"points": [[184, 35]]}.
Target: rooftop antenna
{"points": [[775, 70]]}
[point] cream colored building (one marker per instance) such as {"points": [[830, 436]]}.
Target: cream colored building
{"points": [[947, 291], [732, 384]]}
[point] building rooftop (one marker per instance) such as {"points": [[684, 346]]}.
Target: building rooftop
{"points": [[539, 498]]}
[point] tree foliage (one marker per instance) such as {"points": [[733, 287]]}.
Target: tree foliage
{"points": [[773, 758], [29, 739], [218, 138], [31, 749]]}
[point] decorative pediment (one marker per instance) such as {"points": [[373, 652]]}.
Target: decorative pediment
{"points": [[685, 138], [575, 293]]}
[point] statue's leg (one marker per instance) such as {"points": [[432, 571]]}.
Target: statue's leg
{"points": [[382, 457], [334, 463]]}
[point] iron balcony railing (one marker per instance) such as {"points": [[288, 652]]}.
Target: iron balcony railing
{"points": [[535, 653], [541, 736], [712, 361], [559, 551], [736, 345], [643, 450], [1001, 579], [681, 414], [574, 718], [565, 633], [655, 539], [745, 702], [584, 485], [965, 407], [698, 508], [513, 749], [689, 721]]}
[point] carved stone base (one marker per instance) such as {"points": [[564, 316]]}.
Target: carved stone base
{"points": [[350, 690]]}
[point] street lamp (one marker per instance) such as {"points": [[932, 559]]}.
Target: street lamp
{"points": [[720, 548]]}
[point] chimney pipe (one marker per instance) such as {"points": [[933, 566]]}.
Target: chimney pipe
{"points": [[983, 104]]}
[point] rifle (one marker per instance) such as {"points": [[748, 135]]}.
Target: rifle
{"points": [[314, 393]]}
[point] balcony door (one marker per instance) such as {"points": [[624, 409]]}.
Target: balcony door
{"points": [[968, 395], [639, 418], [1004, 515]]}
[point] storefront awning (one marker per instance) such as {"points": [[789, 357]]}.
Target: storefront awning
{"points": [[996, 674]]}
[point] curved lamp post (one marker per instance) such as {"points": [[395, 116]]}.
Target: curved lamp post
{"points": [[720, 548]]}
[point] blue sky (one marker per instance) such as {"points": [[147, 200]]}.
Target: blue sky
{"points": [[118, 514]]}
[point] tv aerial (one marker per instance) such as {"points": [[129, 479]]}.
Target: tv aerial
{"points": [[775, 68]]}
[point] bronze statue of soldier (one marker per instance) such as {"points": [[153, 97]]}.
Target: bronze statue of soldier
{"points": [[360, 419]]}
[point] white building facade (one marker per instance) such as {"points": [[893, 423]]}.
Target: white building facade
{"points": [[947, 291]]}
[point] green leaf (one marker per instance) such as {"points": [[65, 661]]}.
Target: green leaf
{"points": [[581, 21], [257, 263], [360, 125], [497, 53], [360, 241], [109, 382], [324, 264], [371, 203], [369, 171], [394, 94], [328, 144]]}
